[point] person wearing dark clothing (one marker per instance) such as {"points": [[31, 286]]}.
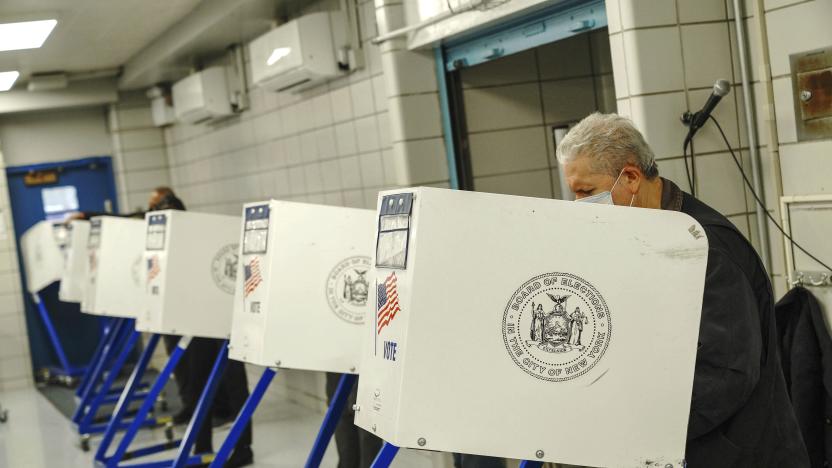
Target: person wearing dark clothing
{"points": [[233, 388], [357, 448], [740, 413], [806, 350]]}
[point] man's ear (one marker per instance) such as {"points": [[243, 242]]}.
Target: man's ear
{"points": [[632, 177]]}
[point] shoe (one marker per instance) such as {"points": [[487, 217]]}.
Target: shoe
{"points": [[242, 456], [182, 417]]}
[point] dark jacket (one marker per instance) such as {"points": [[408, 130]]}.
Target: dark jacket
{"points": [[740, 412], [806, 352]]}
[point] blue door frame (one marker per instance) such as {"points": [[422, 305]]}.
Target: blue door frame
{"points": [[563, 19], [95, 185]]}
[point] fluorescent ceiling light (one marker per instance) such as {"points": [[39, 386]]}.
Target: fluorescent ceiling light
{"points": [[7, 80], [278, 54], [25, 35]]}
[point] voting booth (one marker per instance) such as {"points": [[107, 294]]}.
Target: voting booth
{"points": [[190, 267], [532, 328], [304, 287], [115, 283], [74, 275], [42, 256]]}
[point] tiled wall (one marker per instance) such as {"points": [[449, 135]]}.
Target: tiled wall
{"points": [[15, 360], [666, 57], [795, 27], [139, 152], [331, 144], [512, 103]]}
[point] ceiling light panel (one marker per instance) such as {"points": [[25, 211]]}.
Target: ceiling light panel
{"points": [[7, 80], [25, 35]]}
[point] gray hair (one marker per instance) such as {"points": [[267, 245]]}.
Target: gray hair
{"points": [[610, 141]]}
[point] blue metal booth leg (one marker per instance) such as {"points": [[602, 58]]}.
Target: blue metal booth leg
{"points": [[333, 415], [98, 367], [531, 464], [89, 414], [243, 418], [106, 331], [66, 369], [126, 396], [385, 456], [203, 408]]}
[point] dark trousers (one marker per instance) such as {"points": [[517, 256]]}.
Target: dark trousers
{"points": [[233, 388], [357, 448]]}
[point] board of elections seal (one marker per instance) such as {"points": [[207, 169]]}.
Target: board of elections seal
{"points": [[556, 327], [348, 289], [224, 268]]}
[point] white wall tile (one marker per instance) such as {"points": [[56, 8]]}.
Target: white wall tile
{"points": [[643, 13], [653, 60], [806, 167], [567, 58], [322, 106], [613, 8], [141, 139], [619, 66], [504, 151], [297, 180], [383, 122], [372, 169], [345, 139], [515, 68], [707, 54], [350, 172], [658, 119], [567, 101], [719, 183], [529, 184], [426, 161], [331, 173], [362, 98], [379, 93], [784, 109], [366, 130], [145, 159], [291, 146], [415, 116], [308, 147], [325, 139], [519, 106], [407, 72], [812, 21], [314, 179], [599, 41], [696, 11], [341, 104]]}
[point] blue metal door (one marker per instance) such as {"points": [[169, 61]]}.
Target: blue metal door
{"points": [[78, 185]]}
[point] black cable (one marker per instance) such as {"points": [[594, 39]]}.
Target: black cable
{"points": [[685, 159], [759, 201], [692, 165]]}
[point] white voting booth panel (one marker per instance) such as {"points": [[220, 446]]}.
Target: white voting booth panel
{"points": [[532, 328], [190, 265], [115, 285], [42, 257], [74, 276], [304, 286]]}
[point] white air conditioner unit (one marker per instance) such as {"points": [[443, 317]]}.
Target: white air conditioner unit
{"points": [[300, 53], [202, 96]]}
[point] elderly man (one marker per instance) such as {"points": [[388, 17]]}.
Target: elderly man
{"points": [[740, 414]]}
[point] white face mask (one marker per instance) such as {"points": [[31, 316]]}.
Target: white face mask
{"points": [[605, 198]]}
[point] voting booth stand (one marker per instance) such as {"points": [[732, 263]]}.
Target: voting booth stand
{"points": [[44, 265], [532, 329], [301, 300], [113, 291], [113, 337], [189, 264]]}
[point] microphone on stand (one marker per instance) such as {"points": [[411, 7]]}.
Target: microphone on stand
{"points": [[696, 120]]}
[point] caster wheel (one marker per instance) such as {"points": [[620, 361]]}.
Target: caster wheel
{"points": [[85, 442], [169, 432]]}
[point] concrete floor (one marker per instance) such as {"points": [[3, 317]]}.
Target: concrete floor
{"points": [[37, 435]]}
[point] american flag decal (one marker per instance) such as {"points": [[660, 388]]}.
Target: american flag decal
{"points": [[153, 269], [252, 276], [388, 302]]}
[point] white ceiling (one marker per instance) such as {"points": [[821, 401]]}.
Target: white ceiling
{"points": [[91, 34]]}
